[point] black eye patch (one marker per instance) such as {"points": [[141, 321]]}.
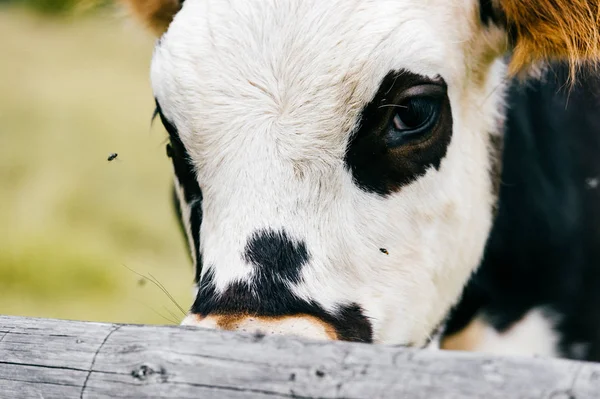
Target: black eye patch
{"points": [[380, 160]]}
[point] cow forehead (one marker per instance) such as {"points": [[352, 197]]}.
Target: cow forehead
{"points": [[284, 59]]}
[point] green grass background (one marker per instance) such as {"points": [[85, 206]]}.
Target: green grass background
{"points": [[74, 88]]}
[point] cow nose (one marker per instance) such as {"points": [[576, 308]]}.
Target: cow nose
{"points": [[305, 326], [267, 300]]}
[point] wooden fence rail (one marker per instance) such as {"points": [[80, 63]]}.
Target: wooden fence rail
{"points": [[42, 358]]}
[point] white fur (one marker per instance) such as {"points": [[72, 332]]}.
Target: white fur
{"points": [[534, 335], [265, 95]]}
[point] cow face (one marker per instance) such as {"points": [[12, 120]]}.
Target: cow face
{"points": [[332, 159]]}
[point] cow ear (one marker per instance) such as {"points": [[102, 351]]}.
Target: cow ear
{"points": [[155, 14], [544, 30]]}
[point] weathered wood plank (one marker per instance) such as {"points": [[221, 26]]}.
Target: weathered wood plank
{"points": [[22, 381], [50, 342], [64, 359]]}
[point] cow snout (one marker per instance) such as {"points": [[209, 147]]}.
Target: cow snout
{"points": [[305, 326]]}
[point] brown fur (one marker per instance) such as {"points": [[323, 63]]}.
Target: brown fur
{"points": [[467, 339], [156, 14], [544, 30], [541, 30], [231, 322]]}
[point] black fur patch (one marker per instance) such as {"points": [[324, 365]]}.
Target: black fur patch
{"points": [[195, 222], [185, 173], [276, 254], [544, 248], [378, 168], [269, 296], [496, 151]]}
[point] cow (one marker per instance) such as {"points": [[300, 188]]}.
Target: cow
{"points": [[418, 173]]}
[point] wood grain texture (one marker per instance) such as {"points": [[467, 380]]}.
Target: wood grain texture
{"points": [[42, 358]]}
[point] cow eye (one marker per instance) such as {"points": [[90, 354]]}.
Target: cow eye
{"points": [[414, 117]]}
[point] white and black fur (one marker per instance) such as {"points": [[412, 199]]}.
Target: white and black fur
{"points": [[306, 216], [542, 261]]}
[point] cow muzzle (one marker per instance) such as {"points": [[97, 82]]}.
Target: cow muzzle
{"points": [[305, 326]]}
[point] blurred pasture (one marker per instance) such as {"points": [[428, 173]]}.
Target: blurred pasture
{"points": [[74, 87]]}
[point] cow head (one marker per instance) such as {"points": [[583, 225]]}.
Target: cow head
{"points": [[335, 160]]}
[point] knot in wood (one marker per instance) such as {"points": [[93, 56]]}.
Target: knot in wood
{"points": [[144, 372]]}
